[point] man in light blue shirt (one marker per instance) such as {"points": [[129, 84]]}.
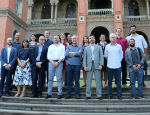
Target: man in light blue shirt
{"points": [[114, 55]]}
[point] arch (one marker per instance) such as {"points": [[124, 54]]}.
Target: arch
{"points": [[98, 31], [46, 11], [37, 37], [133, 8], [71, 11]]}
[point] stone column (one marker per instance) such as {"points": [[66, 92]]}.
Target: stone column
{"points": [[147, 5], [112, 5], [56, 7], [30, 5], [52, 10]]}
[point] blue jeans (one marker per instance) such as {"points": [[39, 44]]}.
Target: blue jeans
{"points": [[139, 75], [73, 71], [52, 71], [117, 74]]}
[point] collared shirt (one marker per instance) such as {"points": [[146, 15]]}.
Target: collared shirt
{"points": [[56, 52], [124, 44], [139, 41], [74, 60], [92, 48], [16, 45], [114, 55], [48, 42], [134, 55], [8, 53], [39, 52]]}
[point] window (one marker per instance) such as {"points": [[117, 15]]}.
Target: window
{"points": [[71, 11], [133, 8], [46, 12]]}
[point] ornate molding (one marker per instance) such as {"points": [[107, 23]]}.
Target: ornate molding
{"points": [[6, 12]]}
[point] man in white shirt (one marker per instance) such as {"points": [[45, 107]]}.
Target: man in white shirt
{"points": [[55, 56], [114, 55]]}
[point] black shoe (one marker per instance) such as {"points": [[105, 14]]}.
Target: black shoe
{"points": [[84, 86], [7, 95], [1, 94], [77, 97], [100, 98], [110, 97], [141, 97], [59, 97], [88, 97], [133, 97], [34, 96], [48, 96], [119, 97], [68, 97]]}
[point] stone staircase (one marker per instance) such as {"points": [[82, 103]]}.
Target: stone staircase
{"points": [[53, 106]]}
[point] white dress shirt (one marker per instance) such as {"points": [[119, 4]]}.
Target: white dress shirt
{"points": [[92, 48], [8, 53], [114, 55], [56, 52], [139, 41]]}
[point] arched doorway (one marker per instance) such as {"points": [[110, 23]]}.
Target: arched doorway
{"points": [[37, 36], [98, 31], [133, 8]]}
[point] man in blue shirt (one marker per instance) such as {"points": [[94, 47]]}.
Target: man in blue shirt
{"points": [[16, 42], [47, 42], [73, 66]]}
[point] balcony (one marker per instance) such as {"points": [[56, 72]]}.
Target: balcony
{"points": [[136, 18], [53, 21], [100, 12]]}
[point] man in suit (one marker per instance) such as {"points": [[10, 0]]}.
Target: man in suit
{"points": [[39, 59], [93, 61], [8, 58]]}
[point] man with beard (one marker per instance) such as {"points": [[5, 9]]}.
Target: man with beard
{"points": [[135, 61], [8, 58], [16, 42], [139, 42]]}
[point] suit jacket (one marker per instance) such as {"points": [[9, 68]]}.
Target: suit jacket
{"points": [[128, 58], [98, 57], [12, 57], [43, 57]]}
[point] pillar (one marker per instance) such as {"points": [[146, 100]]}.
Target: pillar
{"points": [[81, 20], [56, 7], [30, 5], [118, 19], [147, 5]]}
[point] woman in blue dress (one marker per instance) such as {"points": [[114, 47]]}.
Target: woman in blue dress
{"points": [[23, 71]]}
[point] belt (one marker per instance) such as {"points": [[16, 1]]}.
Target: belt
{"points": [[55, 60]]}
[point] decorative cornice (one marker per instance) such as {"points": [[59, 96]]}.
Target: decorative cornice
{"points": [[6, 12]]}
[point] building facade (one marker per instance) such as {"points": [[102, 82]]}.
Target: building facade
{"points": [[81, 17]]}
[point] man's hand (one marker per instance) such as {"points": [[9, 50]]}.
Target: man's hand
{"points": [[138, 66], [7, 67], [135, 67], [38, 64], [85, 68], [72, 53], [100, 67]]}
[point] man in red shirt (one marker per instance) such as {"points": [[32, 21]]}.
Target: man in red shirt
{"points": [[124, 44]]}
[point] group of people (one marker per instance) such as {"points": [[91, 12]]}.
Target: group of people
{"points": [[29, 63]]}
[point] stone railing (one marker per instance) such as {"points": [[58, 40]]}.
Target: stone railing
{"points": [[100, 11], [41, 21], [66, 21], [136, 18]]}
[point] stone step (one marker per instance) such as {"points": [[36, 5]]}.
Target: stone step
{"points": [[75, 101], [83, 89], [23, 112], [75, 108], [125, 95]]}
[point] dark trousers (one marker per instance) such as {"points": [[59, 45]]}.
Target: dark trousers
{"points": [[5, 74], [38, 75], [124, 71], [117, 74], [73, 71]]}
